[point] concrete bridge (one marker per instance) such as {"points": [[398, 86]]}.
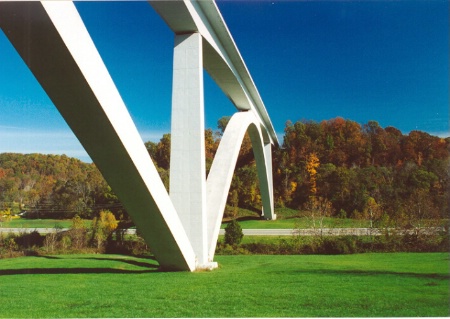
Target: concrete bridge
{"points": [[181, 227]]}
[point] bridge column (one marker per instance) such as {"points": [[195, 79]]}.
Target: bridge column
{"points": [[268, 201], [262, 150], [187, 159]]}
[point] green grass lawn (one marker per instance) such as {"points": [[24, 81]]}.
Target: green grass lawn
{"points": [[366, 285], [38, 223]]}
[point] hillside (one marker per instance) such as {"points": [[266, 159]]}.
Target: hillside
{"points": [[359, 171]]}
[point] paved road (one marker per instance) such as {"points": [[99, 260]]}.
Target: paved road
{"points": [[330, 231], [264, 232], [28, 230]]}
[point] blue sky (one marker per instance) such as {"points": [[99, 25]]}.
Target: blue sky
{"points": [[379, 60]]}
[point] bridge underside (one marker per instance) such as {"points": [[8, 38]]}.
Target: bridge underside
{"points": [[181, 228]]}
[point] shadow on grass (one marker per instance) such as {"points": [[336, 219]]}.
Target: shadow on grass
{"points": [[127, 261], [374, 273], [46, 257], [60, 271], [87, 270]]}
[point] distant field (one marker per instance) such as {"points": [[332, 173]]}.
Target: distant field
{"points": [[248, 224], [299, 222], [366, 285], [38, 223]]}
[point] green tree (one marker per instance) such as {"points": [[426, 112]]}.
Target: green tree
{"points": [[162, 154], [233, 233], [234, 204], [152, 148], [222, 123], [376, 137]]}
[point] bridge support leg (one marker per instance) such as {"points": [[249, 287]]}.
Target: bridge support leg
{"points": [[187, 159], [268, 205], [51, 38], [263, 156]]}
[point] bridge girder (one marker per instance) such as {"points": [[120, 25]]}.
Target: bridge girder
{"points": [[222, 59]]}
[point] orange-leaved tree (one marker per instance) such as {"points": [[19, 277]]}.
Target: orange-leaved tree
{"points": [[318, 207]]}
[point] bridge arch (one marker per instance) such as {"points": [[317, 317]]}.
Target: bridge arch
{"points": [[223, 166]]}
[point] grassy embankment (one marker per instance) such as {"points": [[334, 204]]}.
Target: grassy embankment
{"points": [[368, 285]]}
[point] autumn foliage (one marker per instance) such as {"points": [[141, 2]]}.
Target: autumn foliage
{"points": [[53, 186], [364, 170]]}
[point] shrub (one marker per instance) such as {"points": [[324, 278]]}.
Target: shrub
{"points": [[78, 233], [342, 214], [11, 245], [28, 240], [133, 245], [65, 242], [14, 245], [226, 249], [311, 245], [286, 247], [103, 227], [259, 248], [233, 233], [338, 245], [50, 242], [137, 246]]}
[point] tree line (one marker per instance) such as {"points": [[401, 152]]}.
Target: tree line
{"points": [[363, 169], [353, 170], [53, 186]]}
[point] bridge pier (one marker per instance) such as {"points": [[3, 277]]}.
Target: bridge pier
{"points": [[187, 154], [267, 197]]}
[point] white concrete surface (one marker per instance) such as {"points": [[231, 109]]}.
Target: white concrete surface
{"points": [[187, 155], [263, 158], [222, 169]]}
